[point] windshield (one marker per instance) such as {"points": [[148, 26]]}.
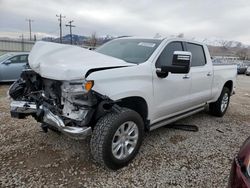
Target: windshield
{"points": [[130, 50], [4, 57]]}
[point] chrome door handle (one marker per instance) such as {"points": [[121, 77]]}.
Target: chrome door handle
{"points": [[186, 77], [209, 74]]}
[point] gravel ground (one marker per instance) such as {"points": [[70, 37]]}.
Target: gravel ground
{"points": [[167, 158]]}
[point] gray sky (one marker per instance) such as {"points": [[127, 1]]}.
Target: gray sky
{"points": [[225, 19]]}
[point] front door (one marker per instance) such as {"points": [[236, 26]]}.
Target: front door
{"points": [[171, 94], [11, 69]]}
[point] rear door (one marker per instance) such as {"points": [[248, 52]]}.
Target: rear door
{"points": [[12, 70], [171, 94], [201, 73]]}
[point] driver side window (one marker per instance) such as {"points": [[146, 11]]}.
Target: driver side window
{"points": [[166, 57], [14, 59]]}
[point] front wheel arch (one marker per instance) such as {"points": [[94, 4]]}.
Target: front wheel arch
{"points": [[139, 105]]}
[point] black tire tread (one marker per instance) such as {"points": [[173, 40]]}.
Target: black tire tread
{"points": [[215, 108], [100, 132]]}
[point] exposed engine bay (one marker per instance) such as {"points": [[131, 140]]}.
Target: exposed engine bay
{"points": [[54, 103]]}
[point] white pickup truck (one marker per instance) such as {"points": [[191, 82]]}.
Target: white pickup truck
{"points": [[116, 93]]}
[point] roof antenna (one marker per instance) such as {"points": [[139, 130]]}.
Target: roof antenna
{"points": [[157, 36]]}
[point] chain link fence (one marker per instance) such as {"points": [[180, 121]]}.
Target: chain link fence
{"points": [[15, 45]]}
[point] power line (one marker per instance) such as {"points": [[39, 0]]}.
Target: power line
{"points": [[29, 20], [60, 25], [53, 32], [70, 29]]}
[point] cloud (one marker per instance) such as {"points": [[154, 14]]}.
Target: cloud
{"points": [[226, 19]]}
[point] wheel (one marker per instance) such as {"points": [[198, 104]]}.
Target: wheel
{"points": [[117, 138], [219, 107]]}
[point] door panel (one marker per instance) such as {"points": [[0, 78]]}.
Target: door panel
{"points": [[12, 71], [201, 84], [171, 94], [201, 73]]}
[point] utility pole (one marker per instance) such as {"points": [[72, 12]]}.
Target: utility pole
{"points": [[70, 29], [29, 20], [60, 25], [22, 42]]}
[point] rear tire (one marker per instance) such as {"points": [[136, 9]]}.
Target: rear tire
{"points": [[117, 138], [219, 107]]}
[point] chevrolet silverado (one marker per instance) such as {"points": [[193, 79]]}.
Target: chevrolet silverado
{"points": [[119, 91]]}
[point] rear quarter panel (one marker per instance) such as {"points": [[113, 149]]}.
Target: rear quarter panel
{"points": [[222, 74]]}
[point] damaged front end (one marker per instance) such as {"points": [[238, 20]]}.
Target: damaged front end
{"points": [[65, 106]]}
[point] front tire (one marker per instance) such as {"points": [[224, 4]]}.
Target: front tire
{"points": [[219, 107], [117, 138]]}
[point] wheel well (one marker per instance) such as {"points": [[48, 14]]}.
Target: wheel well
{"points": [[137, 104], [229, 85]]}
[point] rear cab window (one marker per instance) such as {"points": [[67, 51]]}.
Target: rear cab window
{"points": [[198, 54]]}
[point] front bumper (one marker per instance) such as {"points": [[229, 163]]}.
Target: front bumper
{"points": [[241, 70], [21, 109]]}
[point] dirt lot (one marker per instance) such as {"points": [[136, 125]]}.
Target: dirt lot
{"points": [[168, 158]]}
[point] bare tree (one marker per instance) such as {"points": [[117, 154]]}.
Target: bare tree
{"points": [[226, 44], [93, 39], [239, 45], [242, 53]]}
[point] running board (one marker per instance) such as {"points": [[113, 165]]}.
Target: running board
{"points": [[175, 118]]}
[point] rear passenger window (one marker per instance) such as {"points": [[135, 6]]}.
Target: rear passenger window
{"points": [[166, 57], [24, 58], [198, 55]]}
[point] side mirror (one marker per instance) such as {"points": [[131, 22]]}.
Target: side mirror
{"points": [[180, 64], [7, 62]]}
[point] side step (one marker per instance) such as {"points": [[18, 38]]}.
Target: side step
{"points": [[175, 118], [183, 127]]}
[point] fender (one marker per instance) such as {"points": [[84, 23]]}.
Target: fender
{"points": [[124, 82]]}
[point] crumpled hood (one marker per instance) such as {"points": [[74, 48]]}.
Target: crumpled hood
{"points": [[66, 62]]}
